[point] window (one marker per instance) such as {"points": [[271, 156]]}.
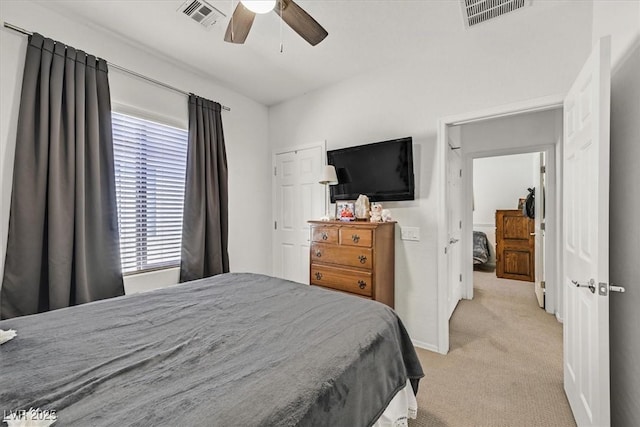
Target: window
{"points": [[150, 161]]}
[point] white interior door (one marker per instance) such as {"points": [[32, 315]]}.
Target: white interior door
{"points": [[586, 240], [299, 198], [454, 212], [540, 229]]}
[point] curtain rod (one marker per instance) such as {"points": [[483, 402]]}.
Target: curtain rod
{"points": [[118, 67]]}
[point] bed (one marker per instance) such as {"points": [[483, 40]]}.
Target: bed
{"points": [[481, 248], [235, 349]]}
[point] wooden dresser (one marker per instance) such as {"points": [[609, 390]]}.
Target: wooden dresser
{"points": [[354, 257], [515, 246]]}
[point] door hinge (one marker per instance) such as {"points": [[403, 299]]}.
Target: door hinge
{"points": [[543, 169], [461, 173], [275, 171], [461, 277], [275, 225], [543, 226], [460, 225], [543, 284]]}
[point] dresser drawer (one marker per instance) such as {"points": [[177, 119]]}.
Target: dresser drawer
{"points": [[324, 234], [342, 255], [356, 237], [352, 281]]}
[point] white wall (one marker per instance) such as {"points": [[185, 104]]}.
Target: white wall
{"points": [[408, 98], [245, 126], [498, 183], [624, 245], [621, 20], [523, 132]]}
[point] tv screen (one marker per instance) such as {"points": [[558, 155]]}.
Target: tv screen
{"points": [[383, 171]]}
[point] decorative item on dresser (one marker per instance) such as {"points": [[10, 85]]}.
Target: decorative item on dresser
{"points": [[356, 258], [345, 211]]}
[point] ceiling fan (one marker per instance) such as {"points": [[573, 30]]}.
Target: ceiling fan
{"points": [[292, 14]]}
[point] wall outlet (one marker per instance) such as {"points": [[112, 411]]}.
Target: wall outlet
{"points": [[410, 233]]}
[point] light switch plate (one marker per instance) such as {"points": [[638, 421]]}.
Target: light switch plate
{"points": [[410, 233]]}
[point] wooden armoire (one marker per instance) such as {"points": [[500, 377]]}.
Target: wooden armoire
{"points": [[515, 246]]}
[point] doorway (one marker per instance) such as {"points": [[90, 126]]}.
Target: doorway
{"points": [[509, 218], [582, 261], [534, 126], [511, 152]]}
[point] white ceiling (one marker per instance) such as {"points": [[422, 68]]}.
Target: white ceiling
{"points": [[363, 35]]}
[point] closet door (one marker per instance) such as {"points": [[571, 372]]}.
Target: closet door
{"points": [[298, 198], [515, 246]]}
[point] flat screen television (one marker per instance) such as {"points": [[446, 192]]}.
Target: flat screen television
{"points": [[383, 171]]}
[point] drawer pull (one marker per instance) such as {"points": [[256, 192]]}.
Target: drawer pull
{"points": [[318, 275], [355, 238], [362, 258], [325, 236], [318, 253], [362, 284]]}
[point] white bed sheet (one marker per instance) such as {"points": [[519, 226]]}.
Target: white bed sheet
{"points": [[402, 407]]}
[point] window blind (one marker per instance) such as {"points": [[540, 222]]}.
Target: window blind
{"points": [[150, 161]]}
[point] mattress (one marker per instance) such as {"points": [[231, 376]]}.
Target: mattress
{"points": [[235, 349]]}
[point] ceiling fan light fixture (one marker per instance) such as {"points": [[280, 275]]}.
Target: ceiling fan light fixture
{"points": [[259, 6]]}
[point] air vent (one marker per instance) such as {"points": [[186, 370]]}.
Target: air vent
{"points": [[478, 11], [201, 12]]}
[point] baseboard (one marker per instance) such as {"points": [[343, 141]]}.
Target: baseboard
{"points": [[425, 346]]}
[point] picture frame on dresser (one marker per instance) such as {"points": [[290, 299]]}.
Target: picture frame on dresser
{"points": [[346, 210]]}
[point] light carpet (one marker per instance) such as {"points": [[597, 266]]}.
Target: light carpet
{"points": [[504, 367]]}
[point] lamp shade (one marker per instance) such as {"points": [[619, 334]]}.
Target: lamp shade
{"points": [[328, 176], [259, 6]]}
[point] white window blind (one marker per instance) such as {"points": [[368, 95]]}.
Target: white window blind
{"points": [[150, 161]]}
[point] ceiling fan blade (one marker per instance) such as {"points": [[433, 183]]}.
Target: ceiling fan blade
{"points": [[239, 25], [300, 21]]}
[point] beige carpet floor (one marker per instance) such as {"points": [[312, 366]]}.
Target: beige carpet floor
{"points": [[504, 367]]}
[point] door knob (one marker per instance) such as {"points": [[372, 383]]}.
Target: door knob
{"points": [[452, 241]]}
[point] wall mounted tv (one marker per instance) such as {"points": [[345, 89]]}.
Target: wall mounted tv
{"points": [[383, 171]]}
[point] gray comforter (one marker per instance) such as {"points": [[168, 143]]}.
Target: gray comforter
{"points": [[481, 251], [233, 350]]}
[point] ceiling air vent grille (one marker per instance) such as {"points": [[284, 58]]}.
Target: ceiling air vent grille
{"points": [[478, 11], [201, 12]]}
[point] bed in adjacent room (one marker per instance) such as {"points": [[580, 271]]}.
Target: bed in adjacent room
{"points": [[481, 248], [235, 349]]}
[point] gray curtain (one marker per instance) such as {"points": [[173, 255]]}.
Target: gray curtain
{"points": [[63, 244], [205, 220]]}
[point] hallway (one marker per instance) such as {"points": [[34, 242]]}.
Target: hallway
{"points": [[504, 367]]}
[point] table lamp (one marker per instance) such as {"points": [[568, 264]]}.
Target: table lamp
{"points": [[327, 178]]}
